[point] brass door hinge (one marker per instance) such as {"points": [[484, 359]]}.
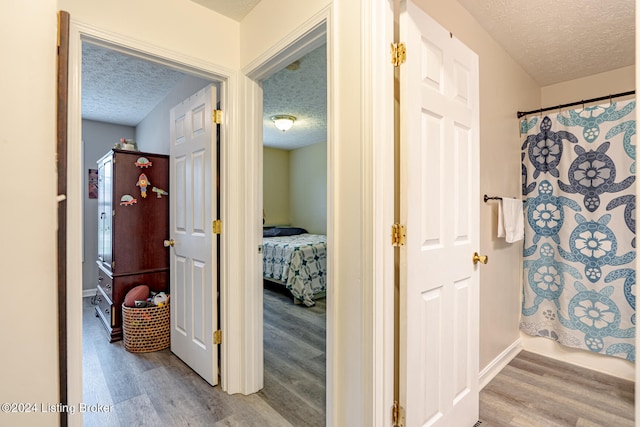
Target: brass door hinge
{"points": [[397, 415], [217, 116], [58, 41], [217, 226], [398, 54], [217, 337], [113, 266], [398, 235]]}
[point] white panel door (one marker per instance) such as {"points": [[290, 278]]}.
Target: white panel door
{"points": [[440, 208], [194, 290]]}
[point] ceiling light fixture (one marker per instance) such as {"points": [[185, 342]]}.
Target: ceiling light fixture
{"points": [[283, 122]]}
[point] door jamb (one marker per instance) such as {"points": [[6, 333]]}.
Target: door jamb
{"points": [[80, 32], [379, 124], [378, 163], [309, 36]]}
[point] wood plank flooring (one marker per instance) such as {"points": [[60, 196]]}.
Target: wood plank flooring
{"points": [[535, 391], [294, 358], [159, 389]]}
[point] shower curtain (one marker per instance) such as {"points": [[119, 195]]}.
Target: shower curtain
{"points": [[578, 183]]}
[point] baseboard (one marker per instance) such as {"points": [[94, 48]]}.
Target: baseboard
{"points": [[88, 293], [609, 365], [498, 364]]}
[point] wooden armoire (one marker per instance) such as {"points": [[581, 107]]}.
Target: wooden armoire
{"points": [[133, 222]]}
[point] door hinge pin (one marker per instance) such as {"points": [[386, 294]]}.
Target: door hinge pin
{"points": [[58, 36], [397, 415], [398, 235], [398, 54], [217, 226], [217, 337], [217, 116]]}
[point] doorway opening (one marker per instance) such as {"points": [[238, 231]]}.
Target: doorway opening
{"points": [[126, 102], [238, 371], [81, 249], [294, 246]]}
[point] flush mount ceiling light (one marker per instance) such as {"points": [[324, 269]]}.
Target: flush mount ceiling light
{"points": [[283, 121]]}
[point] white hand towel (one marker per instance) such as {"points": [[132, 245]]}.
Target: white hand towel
{"points": [[510, 220]]}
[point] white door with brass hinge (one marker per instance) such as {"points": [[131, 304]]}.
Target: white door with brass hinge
{"points": [[194, 290], [439, 145]]}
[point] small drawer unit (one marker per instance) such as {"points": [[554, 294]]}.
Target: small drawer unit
{"points": [[105, 283], [104, 309]]}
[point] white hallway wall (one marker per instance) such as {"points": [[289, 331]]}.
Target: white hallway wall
{"points": [[30, 365], [28, 218]]}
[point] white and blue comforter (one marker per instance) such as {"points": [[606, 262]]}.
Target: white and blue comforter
{"points": [[299, 262]]}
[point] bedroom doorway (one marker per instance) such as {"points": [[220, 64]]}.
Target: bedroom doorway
{"points": [[81, 36], [294, 246]]}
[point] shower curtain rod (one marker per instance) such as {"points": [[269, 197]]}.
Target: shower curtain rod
{"points": [[572, 104]]}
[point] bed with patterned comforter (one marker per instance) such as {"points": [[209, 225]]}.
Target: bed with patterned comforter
{"points": [[299, 263]]}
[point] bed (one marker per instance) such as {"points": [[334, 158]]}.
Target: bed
{"points": [[297, 261]]}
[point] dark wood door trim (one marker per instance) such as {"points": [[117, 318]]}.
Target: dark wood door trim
{"points": [[61, 165]]}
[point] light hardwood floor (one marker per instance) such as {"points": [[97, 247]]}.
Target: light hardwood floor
{"points": [[294, 358], [535, 391], [158, 389]]}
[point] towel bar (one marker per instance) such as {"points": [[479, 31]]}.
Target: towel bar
{"points": [[487, 198]]}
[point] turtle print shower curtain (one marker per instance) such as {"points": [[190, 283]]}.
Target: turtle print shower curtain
{"points": [[578, 183]]}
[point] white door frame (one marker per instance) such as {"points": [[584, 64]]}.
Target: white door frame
{"points": [[241, 153], [308, 37], [233, 373], [378, 169], [378, 28]]}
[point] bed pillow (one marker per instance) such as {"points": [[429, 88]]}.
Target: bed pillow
{"points": [[283, 231]]}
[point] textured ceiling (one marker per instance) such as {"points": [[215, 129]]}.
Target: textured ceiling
{"points": [[299, 90], [121, 89], [553, 41], [556, 41]]}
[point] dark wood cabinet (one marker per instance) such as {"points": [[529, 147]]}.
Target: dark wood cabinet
{"points": [[133, 222]]}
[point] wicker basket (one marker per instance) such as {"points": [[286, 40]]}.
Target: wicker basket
{"points": [[146, 329]]}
